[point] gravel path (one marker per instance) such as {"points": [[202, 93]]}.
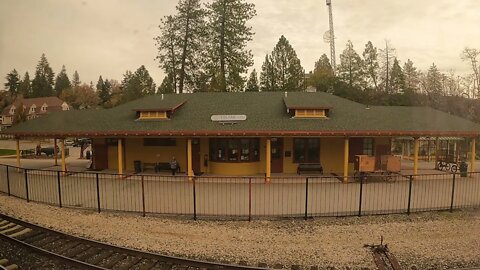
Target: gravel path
{"points": [[428, 241]]}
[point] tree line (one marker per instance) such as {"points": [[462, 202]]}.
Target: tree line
{"points": [[106, 93]]}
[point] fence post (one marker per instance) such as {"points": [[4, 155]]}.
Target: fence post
{"points": [[98, 193], [306, 199], [143, 198], [194, 201], [453, 193], [250, 199], [59, 190], [26, 185], [361, 197], [8, 182], [409, 193]]}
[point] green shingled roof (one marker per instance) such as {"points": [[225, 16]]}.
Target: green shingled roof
{"points": [[266, 115]]}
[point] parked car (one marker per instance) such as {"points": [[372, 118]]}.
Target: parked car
{"points": [[80, 141], [69, 142]]}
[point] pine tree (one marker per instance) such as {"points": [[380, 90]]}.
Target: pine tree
{"points": [[76, 79], [370, 58], [351, 68], [42, 84], [267, 76], [287, 74], [397, 78], [12, 84], [252, 83], [62, 82], [412, 76], [228, 37], [103, 90], [167, 85], [100, 84], [322, 77], [138, 84], [168, 48], [432, 85], [25, 87]]}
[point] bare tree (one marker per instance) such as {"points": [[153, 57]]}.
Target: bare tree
{"points": [[471, 55], [386, 58]]}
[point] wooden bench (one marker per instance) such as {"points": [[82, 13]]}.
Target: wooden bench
{"points": [[158, 166], [309, 167]]}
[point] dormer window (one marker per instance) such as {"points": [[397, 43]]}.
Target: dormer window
{"points": [[44, 108], [12, 110], [33, 108], [311, 113], [149, 115]]}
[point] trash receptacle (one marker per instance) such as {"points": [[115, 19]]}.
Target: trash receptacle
{"points": [[137, 164], [88, 155], [463, 169]]}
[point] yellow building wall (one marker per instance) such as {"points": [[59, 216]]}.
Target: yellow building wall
{"points": [[112, 157], [135, 150]]}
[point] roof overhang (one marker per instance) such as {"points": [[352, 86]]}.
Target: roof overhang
{"points": [[250, 133]]}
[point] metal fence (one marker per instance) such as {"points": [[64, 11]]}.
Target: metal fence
{"points": [[243, 197]]}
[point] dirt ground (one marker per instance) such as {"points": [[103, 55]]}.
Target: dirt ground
{"points": [[438, 240]]}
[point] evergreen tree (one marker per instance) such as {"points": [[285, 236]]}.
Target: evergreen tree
{"points": [[322, 77], [167, 86], [351, 68], [228, 37], [432, 85], [412, 76], [252, 83], [76, 79], [12, 84], [397, 78], [42, 84], [62, 82], [168, 48], [138, 84], [100, 84], [103, 90], [370, 58], [20, 114], [25, 87], [267, 76], [283, 68]]}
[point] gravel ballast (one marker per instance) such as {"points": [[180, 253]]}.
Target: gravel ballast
{"points": [[428, 241]]}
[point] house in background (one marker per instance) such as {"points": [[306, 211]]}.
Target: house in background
{"points": [[34, 107]]}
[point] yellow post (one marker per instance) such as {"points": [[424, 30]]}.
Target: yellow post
{"points": [[55, 152], [64, 165], [268, 160], [189, 159], [345, 160], [120, 156], [415, 156], [473, 157], [18, 153]]}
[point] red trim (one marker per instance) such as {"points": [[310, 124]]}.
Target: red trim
{"points": [[201, 133]]}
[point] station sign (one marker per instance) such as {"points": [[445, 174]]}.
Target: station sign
{"points": [[228, 118]]}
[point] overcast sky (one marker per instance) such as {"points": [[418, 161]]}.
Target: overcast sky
{"points": [[108, 37]]}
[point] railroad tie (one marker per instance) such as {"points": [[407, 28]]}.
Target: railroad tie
{"points": [[16, 227], [22, 232]]}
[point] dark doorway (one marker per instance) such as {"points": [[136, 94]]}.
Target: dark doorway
{"points": [[277, 155], [100, 157], [196, 156], [381, 150]]}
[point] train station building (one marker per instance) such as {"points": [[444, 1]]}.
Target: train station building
{"points": [[245, 134]]}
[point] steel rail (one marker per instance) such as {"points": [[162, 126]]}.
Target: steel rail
{"points": [[108, 247]]}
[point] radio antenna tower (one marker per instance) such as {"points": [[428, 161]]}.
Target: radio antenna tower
{"points": [[330, 37]]}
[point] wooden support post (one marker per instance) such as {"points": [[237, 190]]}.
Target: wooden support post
{"points": [[437, 152], [64, 165], [55, 152], [189, 160], [120, 156], [268, 160], [345, 160], [18, 153], [415, 156], [473, 156]]}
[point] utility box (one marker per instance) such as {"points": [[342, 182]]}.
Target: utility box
{"points": [[390, 163], [364, 163]]}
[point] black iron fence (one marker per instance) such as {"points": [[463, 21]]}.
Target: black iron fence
{"points": [[243, 197]]}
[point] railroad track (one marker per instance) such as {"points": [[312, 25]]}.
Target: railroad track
{"points": [[5, 265], [89, 254], [383, 258]]}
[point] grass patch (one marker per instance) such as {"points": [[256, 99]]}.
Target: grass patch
{"points": [[7, 152]]}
